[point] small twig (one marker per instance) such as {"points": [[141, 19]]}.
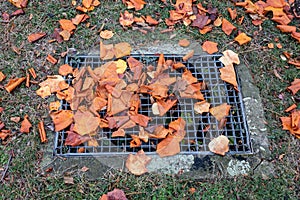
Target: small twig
{"points": [[7, 166], [274, 112]]}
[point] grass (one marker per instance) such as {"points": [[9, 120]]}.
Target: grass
{"points": [[23, 177]]}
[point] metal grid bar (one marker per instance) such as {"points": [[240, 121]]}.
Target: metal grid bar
{"points": [[204, 68]]}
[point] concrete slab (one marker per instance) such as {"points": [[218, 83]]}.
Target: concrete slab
{"points": [[204, 166]]}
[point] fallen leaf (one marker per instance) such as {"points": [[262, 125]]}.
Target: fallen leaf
{"points": [[140, 119], [242, 38], [67, 25], [42, 132], [73, 139], [62, 119], [55, 82], [295, 86], [232, 13], [118, 133], [15, 119], [271, 46], [121, 66], [137, 163], [116, 194], [19, 3], [65, 70], [122, 49], [32, 73], [4, 134], [85, 122], [201, 107], [228, 75], [106, 51], [286, 28], [151, 21], [2, 76], [219, 145], [292, 107], [205, 29], [78, 19], [210, 47], [168, 147], [25, 125], [200, 21], [227, 27], [291, 123], [188, 55], [229, 57], [13, 83], [44, 91], [35, 37], [51, 59], [184, 43], [221, 111], [65, 35], [68, 180], [126, 19], [106, 34]]}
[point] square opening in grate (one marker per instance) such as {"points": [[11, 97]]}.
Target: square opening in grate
{"points": [[200, 128]]}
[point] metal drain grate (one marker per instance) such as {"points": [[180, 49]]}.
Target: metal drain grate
{"points": [[198, 135]]}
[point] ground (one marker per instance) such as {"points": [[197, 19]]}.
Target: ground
{"points": [[24, 179]]}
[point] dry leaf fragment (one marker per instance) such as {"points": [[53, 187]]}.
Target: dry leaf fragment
{"points": [[137, 163], [106, 34], [54, 106], [13, 83], [286, 28], [67, 25], [188, 55], [210, 47], [219, 145], [2, 76], [25, 125], [201, 107], [85, 122], [19, 3], [44, 91], [151, 21], [32, 73], [242, 38], [62, 119], [106, 51], [74, 139], [51, 59], [228, 75], [65, 70], [36, 36], [229, 57], [116, 194], [42, 132], [118, 133], [221, 111], [292, 107], [79, 18], [184, 43], [168, 147], [121, 66], [126, 19], [68, 180], [232, 13], [65, 35], [227, 27], [55, 82], [122, 49], [15, 119], [295, 86], [4, 134]]}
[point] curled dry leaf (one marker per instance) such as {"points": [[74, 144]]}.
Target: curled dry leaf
{"points": [[54, 106], [106, 34], [62, 119], [221, 111], [210, 47], [13, 83], [2, 76], [232, 13], [295, 86], [19, 3], [188, 55], [51, 59], [242, 38], [137, 163], [79, 18], [35, 36], [25, 125], [219, 145], [42, 132], [55, 82], [286, 28], [291, 123], [184, 43]]}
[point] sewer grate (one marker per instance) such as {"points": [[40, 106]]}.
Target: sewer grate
{"points": [[200, 129]]}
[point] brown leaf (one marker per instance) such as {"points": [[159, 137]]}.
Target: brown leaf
{"points": [[229, 57], [65, 35], [168, 147], [4, 134], [36, 36], [68, 180], [25, 125], [201, 107], [67, 25], [295, 86], [122, 49], [118, 133], [200, 21], [116, 194], [140, 119], [15, 119], [62, 119], [2, 76], [286, 28], [221, 111], [65, 70], [106, 51], [228, 75], [55, 82], [184, 43], [137, 163], [292, 107], [227, 27], [42, 132], [44, 91], [85, 122], [219, 145], [232, 13], [73, 139], [78, 19], [106, 34], [51, 59], [151, 21], [242, 38], [126, 19], [19, 3], [210, 47]]}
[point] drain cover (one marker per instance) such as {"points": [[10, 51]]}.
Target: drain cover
{"points": [[200, 128]]}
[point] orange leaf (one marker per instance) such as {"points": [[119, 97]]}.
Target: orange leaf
{"points": [[62, 119], [232, 13], [35, 36], [67, 25], [184, 43], [210, 47], [205, 29], [228, 75], [13, 83], [242, 38], [85, 122], [126, 19], [140, 119], [286, 28], [221, 111], [51, 59], [65, 70], [79, 18], [188, 55], [106, 51], [122, 49], [106, 34], [44, 91], [168, 147], [25, 125], [219, 145], [19, 3], [296, 35], [137, 163], [119, 133], [292, 107], [135, 142], [54, 106], [65, 35], [282, 19], [4, 134], [151, 21], [295, 86], [201, 107], [227, 27], [87, 3], [55, 82], [2, 76]]}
